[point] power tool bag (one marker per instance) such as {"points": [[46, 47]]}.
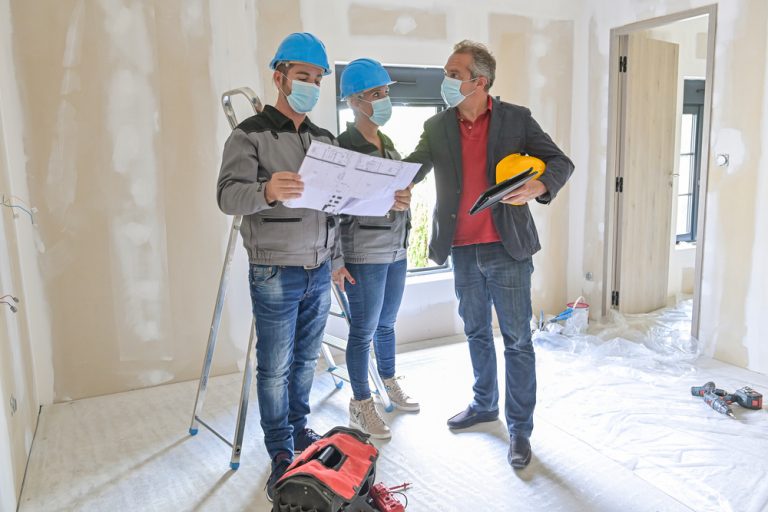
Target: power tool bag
{"points": [[334, 474]]}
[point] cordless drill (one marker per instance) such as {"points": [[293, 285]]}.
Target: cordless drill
{"points": [[721, 400]]}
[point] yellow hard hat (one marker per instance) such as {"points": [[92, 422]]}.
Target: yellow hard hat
{"points": [[514, 164]]}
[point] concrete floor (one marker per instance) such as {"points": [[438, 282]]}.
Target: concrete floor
{"points": [[610, 435]]}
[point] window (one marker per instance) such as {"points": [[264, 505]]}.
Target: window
{"points": [[415, 98], [690, 161]]}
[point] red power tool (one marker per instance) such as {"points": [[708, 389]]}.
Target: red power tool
{"points": [[721, 400], [384, 500]]}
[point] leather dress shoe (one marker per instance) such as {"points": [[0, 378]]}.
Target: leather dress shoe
{"points": [[469, 417], [519, 452]]}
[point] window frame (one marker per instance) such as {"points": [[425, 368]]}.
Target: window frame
{"points": [[693, 103]]}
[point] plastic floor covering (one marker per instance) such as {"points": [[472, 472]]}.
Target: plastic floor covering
{"points": [[616, 430]]}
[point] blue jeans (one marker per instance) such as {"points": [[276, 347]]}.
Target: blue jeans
{"points": [[486, 275], [373, 304], [290, 305]]}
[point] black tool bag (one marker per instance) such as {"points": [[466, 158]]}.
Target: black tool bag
{"points": [[334, 474]]}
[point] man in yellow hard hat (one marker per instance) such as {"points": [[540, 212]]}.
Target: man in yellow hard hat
{"points": [[492, 250]]}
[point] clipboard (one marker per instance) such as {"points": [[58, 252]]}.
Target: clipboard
{"points": [[497, 192]]}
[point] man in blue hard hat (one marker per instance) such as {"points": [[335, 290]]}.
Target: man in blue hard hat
{"points": [[289, 249], [375, 255], [491, 251]]}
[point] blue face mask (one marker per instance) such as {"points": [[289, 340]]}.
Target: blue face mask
{"points": [[451, 90], [303, 97], [382, 111]]}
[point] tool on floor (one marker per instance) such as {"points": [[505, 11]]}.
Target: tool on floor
{"points": [[384, 499], [333, 474], [717, 403], [720, 400]]}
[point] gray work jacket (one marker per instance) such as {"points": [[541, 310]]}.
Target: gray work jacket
{"points": [[512, 129], [272, 233], [366, 239]]}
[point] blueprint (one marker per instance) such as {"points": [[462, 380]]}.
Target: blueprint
{"points": [[337, 180]]}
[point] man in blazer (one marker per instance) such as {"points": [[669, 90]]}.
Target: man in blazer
{"points": [[492, 250]]}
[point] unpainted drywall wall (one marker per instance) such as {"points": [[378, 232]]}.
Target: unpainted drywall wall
{"points": [[19, 402], [122, 135], [535, 69], [19, 396], [734, 283], [119, 136]]}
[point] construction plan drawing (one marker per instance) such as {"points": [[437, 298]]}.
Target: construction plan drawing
{"points": [[337, 180]]}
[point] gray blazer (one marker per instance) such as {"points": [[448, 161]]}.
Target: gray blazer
{"points": [[511, 130]]}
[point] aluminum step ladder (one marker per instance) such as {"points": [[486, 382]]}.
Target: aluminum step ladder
{"points": [[339, 373]]}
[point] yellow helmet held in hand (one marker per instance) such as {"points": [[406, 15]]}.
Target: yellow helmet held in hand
{"points": [[514, 164]]}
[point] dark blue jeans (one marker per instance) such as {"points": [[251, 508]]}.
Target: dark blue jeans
{"points": [[373, 304], [486, 275], [290, 305]]}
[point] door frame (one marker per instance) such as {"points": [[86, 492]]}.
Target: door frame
{"points": [[614, 165]]}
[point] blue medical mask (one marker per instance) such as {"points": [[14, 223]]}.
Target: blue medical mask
{"points": [[382, 111], [451, 90], [303, 97]]}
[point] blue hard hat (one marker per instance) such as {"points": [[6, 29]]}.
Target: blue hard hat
{"points": [[361, 75], [302, 47]]}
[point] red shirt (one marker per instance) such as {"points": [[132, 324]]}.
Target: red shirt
{"points": [[478, 228]]}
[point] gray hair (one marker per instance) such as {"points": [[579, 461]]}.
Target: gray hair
{"points": [[483, 62]]}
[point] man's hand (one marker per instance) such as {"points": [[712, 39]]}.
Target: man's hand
{"points": [[527, 192], [340, 275], [402, 199], [282, 186]]}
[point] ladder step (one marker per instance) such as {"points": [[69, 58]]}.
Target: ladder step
{"points": [[333, 341], [340, 372]]}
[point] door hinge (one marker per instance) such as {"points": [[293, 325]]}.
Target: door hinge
{"points": [[614, 298], [622, 64], [619, 184]]}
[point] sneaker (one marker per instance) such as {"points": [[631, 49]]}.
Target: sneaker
{"points": [[364, 416], [305, 438], [398, 397], [279, 465]]}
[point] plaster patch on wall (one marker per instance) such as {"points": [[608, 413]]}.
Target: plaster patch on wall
{"points": [[192, 21], [137, 234], [405, 24], [367, 20], [154, 377], [61, 180], [73, 45]]}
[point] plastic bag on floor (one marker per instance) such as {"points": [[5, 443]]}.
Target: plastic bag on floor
{"points": [[660, 340]]}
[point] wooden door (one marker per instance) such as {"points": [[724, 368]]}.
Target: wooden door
{"points": [[644, 185]]}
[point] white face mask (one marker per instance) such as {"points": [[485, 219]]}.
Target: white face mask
{"points": [[303, 97], [451, 90], [382, 110]]}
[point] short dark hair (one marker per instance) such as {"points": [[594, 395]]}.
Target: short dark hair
{"points": [[483, 62], [283, 66]]}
